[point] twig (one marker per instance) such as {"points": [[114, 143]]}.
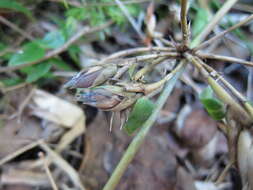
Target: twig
{"points": [[148, 68], [139, 50], [224, 58], [221, 34], [166, 42], [24, 104], [244, 7], [139, 138], [218, 16], [55, 52], [184, 25], [48, 172], [225, 172], [19, 151], [15, 87], [130, 18], [15, 28]]}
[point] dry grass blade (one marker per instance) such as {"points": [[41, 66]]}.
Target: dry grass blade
{"points": [[63, 164], [19, 151], [48, 172]]}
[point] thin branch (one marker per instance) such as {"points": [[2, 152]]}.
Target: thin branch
{"points": [[221, 34], [48, 172], [224, 58], [217, 17], [15, 28], [184, 25], [130, 19], [55, 52], [244, 7], [15, 87], [139, 50], [140, 137]]}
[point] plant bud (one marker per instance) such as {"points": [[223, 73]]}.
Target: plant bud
{"points": [[93, 77], [100, 98], [107, 98]]}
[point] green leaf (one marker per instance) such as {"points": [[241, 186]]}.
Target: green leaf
{"points": [[78, 13], [16, 6], [53, 40], [73, 51], [60, 64], [11, 81], [30, 52], [200, 21], [216, 114], [250, 102], [214, 107], [38, 71], [140, 113]]}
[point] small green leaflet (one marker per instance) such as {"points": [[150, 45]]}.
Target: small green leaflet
{"points": [[38, 71], [11, 81], [52, 40], [250, 102], [60, 64], [30, 52], [140, 113], [213, 106], [16, 6]]}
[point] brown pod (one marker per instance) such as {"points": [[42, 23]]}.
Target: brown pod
{"points": [[99, 97], [107, 98], [93, 77]]}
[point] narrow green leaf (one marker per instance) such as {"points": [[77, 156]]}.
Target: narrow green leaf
{"points": [[16, 6], [30, 52], [140, 113], [38, 71], [214, 107]]}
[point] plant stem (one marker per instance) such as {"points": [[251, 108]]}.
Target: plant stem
{"points": [[224, 58], [218, 16], [139, 138], [184, 25], [211, 40]]}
